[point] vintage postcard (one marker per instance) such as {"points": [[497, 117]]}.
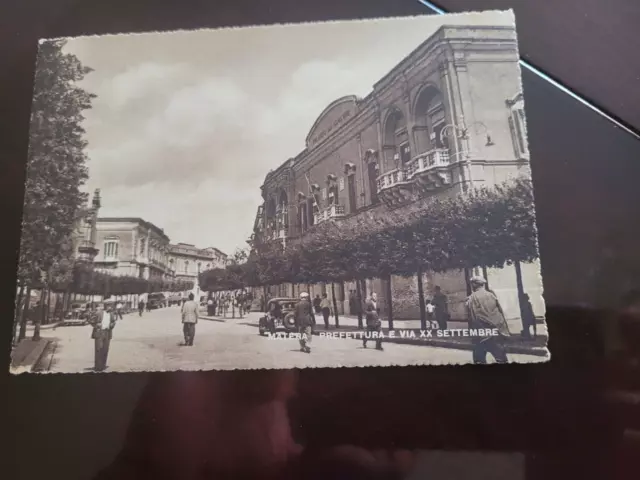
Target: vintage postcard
{"points": [[341, 194]]}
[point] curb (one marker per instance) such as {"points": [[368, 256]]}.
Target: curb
{"points": [[36, 364], [33, 359]]}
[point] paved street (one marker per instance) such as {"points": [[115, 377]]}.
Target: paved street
{"points": [[153, 342]]}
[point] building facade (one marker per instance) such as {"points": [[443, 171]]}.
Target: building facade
{"points": [[447, 118], [132, 246], [187, 261]]}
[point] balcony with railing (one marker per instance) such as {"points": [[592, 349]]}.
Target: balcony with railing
{"points": [[394, 186], [332, 212], [424, 172], [430, 170]]}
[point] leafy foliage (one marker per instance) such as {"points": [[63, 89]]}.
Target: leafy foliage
{"points": [[56, 165], [90, 282], [489, 227]]}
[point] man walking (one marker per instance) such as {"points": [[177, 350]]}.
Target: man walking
{"points": [[374, 325], [442, 308], [325, 308], [484, 312], [189, 320], [119, 310], [305, 320], [104, 323], [140, 306]]}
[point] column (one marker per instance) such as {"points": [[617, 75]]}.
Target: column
{"points": [[409, 120]]}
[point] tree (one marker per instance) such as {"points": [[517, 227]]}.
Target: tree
{"points": [[487, 228], [56, 164]]}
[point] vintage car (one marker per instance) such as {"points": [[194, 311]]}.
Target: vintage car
{"points": [[156, 300], [77, 313], [279, 316]]}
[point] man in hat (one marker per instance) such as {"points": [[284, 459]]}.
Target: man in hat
{"points": [[374, 325], [103, 325], [304, 319], [484, 312], [189, 320]]}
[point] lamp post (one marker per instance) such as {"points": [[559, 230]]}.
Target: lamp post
{"points": [[461, 131]]}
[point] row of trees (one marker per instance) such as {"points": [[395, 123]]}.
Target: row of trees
{"points": [[486, 228], [56, 171]]}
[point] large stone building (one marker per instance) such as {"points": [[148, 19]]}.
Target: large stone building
{"points": [[187, 261], [447, 118], [132, 246]]}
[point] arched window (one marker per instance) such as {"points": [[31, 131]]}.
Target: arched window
{"points": [[396, 140], [283, 210], [186, 266], [429, 120]]}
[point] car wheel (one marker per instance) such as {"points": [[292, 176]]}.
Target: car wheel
{"points": [[289, 322]]}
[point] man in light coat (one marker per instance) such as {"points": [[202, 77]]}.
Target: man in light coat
{"points": [[484, 312], [305, 320], [103, 324], [189, 320], [374, 325]]}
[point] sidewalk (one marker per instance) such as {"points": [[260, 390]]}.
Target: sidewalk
{"points": [[27, 354], [515, 344]]}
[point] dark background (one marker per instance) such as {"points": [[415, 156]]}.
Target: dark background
{"points": [[585, 174]]}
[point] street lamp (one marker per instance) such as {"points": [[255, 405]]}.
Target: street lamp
{"points": [[461, 131]]}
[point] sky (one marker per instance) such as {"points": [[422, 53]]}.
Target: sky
{"points": [[187, 124]]}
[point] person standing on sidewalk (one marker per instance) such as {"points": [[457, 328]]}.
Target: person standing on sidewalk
{"points": [[374, 325], [189, 320], [430, 309], [140, 305], [316, 305], [484, 312], [528, 317], [440, 301], [325, 308], [119, 310], [304, 319], [104, 323]]}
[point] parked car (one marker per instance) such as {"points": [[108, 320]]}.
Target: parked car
{"points": [[174, 300], [78, 313], [157, 300], [279, 316]]}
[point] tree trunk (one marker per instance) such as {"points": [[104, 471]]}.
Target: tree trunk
{"points": [[359, 303], [264, 294], [17, 314], [47, 313], [335, 304], [25, 315], [389, 295], [485, 274], [423, 310], [520, 287], [467, 279], [40, 315]]}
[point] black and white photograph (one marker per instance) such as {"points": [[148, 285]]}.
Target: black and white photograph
{"points": [[341, 194]]}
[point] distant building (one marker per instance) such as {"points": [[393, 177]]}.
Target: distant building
{"points": [[132, 246], [187, 260], [84, 235]]}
